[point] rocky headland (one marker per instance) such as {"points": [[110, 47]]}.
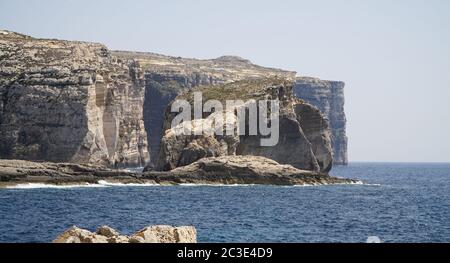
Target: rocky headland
{"points": [[304, 134], [75, 112]]}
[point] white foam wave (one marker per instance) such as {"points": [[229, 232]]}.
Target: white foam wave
{"points": [[217, 185], [110, 184], [51, 186], [99, 184], [361, 183], [104, 183], [134, 170]]}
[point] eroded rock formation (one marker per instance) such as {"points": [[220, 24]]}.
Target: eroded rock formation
{"points": [[316, 128], [308, 151], [166, 77], [180, 149]]}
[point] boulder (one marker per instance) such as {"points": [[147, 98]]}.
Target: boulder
{"points": [[153, 234]]}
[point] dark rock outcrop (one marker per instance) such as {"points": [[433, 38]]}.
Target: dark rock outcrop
{"points": [[18, 171], [242, 170], [328, 96], [316, 129]]}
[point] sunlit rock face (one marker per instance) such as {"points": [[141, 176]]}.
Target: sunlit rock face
{"points": [[68, 101], [328, 96]]}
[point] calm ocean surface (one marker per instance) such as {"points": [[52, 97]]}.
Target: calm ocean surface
{"points": [[399, 203]]}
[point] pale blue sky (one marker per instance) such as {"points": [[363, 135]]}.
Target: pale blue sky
{"points": [[393, 55]]}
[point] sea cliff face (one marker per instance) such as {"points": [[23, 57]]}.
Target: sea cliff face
{"points": [[167, 76], [328, 96], [67, 101]]}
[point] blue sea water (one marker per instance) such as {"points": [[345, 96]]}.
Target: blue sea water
{"points": [[398, 203]]}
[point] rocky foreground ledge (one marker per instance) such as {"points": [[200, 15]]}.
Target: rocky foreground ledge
{"points": [[216, 170], [152, 234]]}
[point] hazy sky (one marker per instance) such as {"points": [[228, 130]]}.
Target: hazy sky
{"points": [[393, 55]]}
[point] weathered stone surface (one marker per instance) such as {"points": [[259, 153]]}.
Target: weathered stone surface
{"points": [[242, 170], [78, 235], [153, 234], [136, 240], [294, 146], [68, 101], [107, 231], [328, 96], [167, 234]]}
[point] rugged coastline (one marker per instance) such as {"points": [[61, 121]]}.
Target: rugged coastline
{"points": [[75, 113], [210, 171], [79, 102]]}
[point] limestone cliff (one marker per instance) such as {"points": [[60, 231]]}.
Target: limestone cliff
{"points": [[328, 96], [67, 101]]}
